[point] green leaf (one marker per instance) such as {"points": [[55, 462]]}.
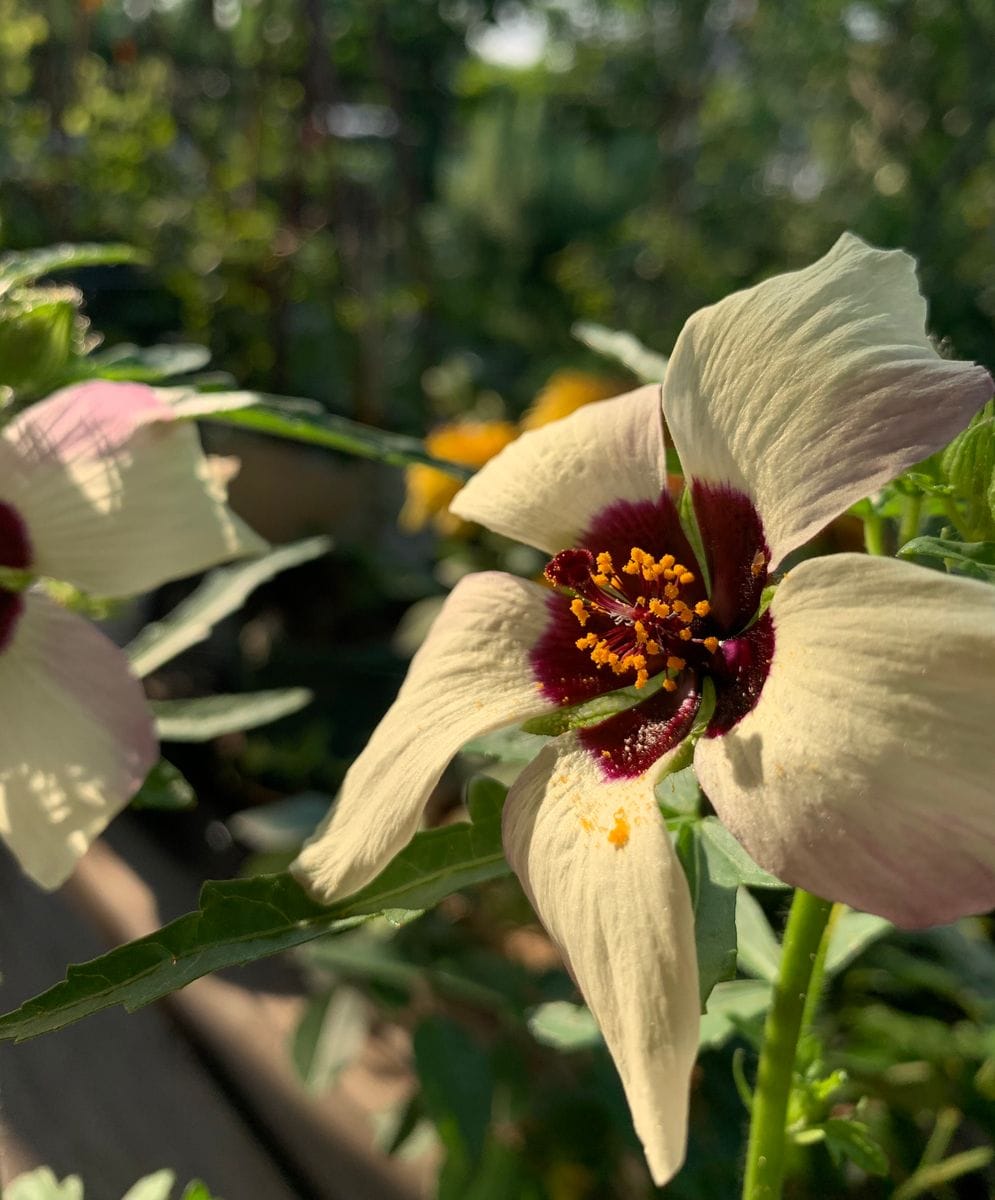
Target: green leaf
{"points": [[976, 559], [564, 1026], [759, 952], [41, 1184], [714, 907], [512, 745], [28, 265], [457, 1085], [929, 1179], [241, 920], [164, 787], [152, 1187], [196, 1190], [591, 712], [853, 1140], [282, 825], [222, 592], [729, 863], [678, 794], [731, 1005], [328, 1036], [624, 348], [852, 934], [212, 716], [335, 433], [148, 364]]}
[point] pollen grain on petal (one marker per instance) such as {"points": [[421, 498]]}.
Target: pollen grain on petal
{"points": [[619, 833]]}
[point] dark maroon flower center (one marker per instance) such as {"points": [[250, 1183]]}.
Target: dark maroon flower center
{"points": [[633, 609], [15, 554]]}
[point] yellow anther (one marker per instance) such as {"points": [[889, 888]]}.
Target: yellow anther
{"points": [[659, 609], [711, 644], [671, 591], [619, 835], [642, 677], [702, 608], [679, 569], [642, 637], [675, 664], [667, 561], [641, 602], [669, 685], [652, 647], [579, 610], [667, 573], [686, 577], [601, 580], [606, 754], [758, 564], [588, 640], [685, 634], [605, 563], [682, 612]]}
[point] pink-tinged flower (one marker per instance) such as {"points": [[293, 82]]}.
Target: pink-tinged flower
{"points": [[102, 488], [850, 744]]}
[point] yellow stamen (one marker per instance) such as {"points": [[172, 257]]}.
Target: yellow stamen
{"points": [[675, 664], [686, 577], [669, 685], [579, 610], [711, 644], [585, 642], [659, 609], [642, 677], [702, 608], [652, 647], [685, 634], [758, 564]]}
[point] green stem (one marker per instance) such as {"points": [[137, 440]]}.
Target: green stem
{"points": [[874, 534], [911, 516], [766, 1151]]}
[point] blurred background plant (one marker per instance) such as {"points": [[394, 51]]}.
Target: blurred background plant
{"points": [[430, 217]]}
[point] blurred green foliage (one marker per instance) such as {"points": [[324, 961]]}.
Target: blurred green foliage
{"points": [[341, 196]]}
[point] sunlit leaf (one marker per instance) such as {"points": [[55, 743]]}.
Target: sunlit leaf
{"points": [[624, 348], [976, 559], [222, 592], [564, 1026], [241, 920], [164, 787], [209, 717], [28, 265]]}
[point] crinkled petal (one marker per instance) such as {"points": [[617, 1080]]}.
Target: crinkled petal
{"points": [[471, 675], [597, 863], [814, 388], [117, 496], [864, 773], [77, 739], [549, 485]]}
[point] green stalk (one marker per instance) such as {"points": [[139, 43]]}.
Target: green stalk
{"points": [[874, 534], [911, 516], [765, 1154]]}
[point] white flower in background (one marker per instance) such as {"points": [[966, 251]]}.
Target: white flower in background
{"points": [[101, 487], [850, 744]]}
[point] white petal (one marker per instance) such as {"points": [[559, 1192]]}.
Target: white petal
{"points": [[864, 774], [814, 388], [471, 675], [547, 487], [117, 496], [599, 868], [77, 738]]}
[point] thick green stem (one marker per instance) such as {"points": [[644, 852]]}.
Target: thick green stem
{"points": [[874, 534], [911, 516], [766, 1152]]}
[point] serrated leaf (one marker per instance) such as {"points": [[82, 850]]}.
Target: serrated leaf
{"points": [[853, 1140], [731, 1004], [730, 864], [164, 788], [759, 952], [624, 348], [28, 265], [152, 1187], [564, 1026], [222, 592], [241, 920], [335, 433], [209, 717], [975, 559], [714, 906]]}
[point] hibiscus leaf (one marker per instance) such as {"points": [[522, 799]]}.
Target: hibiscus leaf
{"points": [[209, 717], [714, 907], [624, 348], [334, 433], [241, 920], [148, 364], [853, 1140], [976, 559], [733, 1005], [564, 1026], [222, 592], [164, 788], [28, 265], [730, 863], [759, 951]]}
